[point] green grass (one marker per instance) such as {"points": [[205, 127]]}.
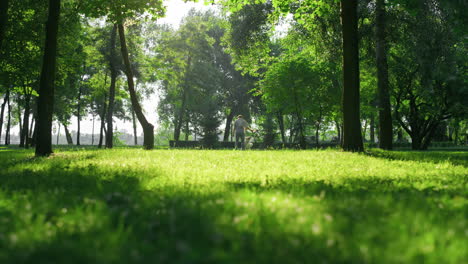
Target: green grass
{"points": [[194, 206]]}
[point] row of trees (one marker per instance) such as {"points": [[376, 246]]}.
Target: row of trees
{"points": [[395, 67]]}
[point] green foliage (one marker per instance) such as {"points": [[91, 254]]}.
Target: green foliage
{"points": [[117, 142], [118, 11], [175, 206]]}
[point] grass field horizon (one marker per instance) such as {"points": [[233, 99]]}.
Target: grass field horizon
{"points": [[129, 205]]}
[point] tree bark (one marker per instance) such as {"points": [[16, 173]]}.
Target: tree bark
{"points": [[58, 133], [280, 118], [103, 117], [186, 127], [25, 131], [385, 116], [148, 129], [20, 122], [352, 137], [372, 128], [7, 132], [3, 20], [184, 102], [78, 117], [2, 112], [338, 131], [68, 135], [45, 107], [92, 133], [135, 135], [227, 128], [113, 70]]}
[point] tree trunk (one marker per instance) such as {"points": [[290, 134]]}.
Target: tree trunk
{"points": [[400, 135], [78, 117], [2, 112], [186, 127], [338, 131], [33, 136], [103, 117], [31, 127], [58, 133], [135, 135], [113, 70], [227, 128], [317, 130], [68, 135], [280, 118], [45, 107], [3, 20], [92, 132], [385, 116], [148, 129], [25, 131], [20, 123], [352, 137], [364, 131], [184, 102], [7, 132], [372, 128]]}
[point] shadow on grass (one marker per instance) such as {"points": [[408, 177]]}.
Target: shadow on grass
{"points": [[61, 213], [459, 158]]}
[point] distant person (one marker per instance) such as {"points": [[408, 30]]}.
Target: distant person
{"points": [[239, 127]]}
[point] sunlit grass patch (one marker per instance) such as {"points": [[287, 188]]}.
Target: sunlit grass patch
{"points": [[179, 206]]}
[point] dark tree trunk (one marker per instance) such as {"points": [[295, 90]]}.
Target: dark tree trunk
{"points": [[280, 118], [3, 20], [385, 116], [184, 102], [7, 132], [78, 118], [20, 122], [338, 131], [400, 135], [187, 127], [103, 118], [2, 112], [45, 107], [148, 129], [58, 133], [33, 136], [352, 137], [302, 140], [135, 135], [364, 131], [25, 131], [113, 70], [372, 128], [68, 135], [92, 133], [317, 130], [227, 128]]}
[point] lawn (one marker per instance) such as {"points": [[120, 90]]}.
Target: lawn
{"points": [[199, 206]]}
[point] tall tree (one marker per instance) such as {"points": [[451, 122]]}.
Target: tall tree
{"points": [[385, 116], [45, 105], [2, 111], [352, 137], [114, 72], [148, 128]]}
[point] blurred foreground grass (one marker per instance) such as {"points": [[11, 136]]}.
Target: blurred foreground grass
{"points": [[195, 206]]}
